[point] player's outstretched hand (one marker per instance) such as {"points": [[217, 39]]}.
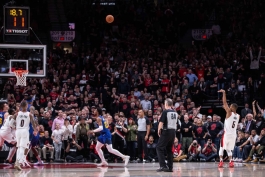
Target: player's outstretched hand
{"points": [[90, 132], [221, 91]]}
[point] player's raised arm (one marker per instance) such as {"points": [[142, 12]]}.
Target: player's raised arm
{"points": [[225, 105], [32, 121]]}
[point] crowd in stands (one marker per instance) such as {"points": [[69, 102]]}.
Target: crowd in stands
{"points": [[129, 68]]}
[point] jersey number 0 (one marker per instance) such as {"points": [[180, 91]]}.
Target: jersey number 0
{"points": [[22, 123]]}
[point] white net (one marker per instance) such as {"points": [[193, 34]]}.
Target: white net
{"points": [[21, 76]]}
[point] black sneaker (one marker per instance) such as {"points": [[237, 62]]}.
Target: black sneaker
{"points": [[164, 169], [168, 170]]}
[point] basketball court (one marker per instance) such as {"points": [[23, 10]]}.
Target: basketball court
{"points": [[202, 169]]}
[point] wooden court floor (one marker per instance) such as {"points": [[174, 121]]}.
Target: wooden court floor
{"points": [[202, 169]]}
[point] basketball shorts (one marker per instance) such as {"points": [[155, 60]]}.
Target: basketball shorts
{"points": [[7, 136], [104, 139], [22, 138], [228, 142]]}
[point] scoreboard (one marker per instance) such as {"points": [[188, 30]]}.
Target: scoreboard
{"points": [[16, 20]]}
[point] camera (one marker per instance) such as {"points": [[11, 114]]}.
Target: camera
{"points": [[70, 140], [194, 144]]}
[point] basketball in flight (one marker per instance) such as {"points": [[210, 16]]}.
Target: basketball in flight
{"points": [[109, 19]]}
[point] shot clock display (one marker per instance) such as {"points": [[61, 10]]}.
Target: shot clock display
{"points": [[16, 20]]}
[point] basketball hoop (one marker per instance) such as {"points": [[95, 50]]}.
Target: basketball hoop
{"points": [[21, 76]]}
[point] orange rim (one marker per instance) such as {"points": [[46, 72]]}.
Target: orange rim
{"points": [[19, 73]]}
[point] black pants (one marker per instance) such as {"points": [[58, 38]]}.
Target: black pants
{"points": [[142, 145], [131, 146], [119, 145], [74, 159], [93, 156], [84, 139], [166, 141]]}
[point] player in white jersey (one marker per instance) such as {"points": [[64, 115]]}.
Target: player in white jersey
{"points": [[23, 119], [230, 125], [7, 133]]}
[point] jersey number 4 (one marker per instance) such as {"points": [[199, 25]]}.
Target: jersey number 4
{"points": [[22, 123]]}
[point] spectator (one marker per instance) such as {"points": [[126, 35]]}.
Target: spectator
{"points": [[209, 152], [214, 129], [46, 145], [73, 152], [57, 141], [93, 155], [258, 147], [194, 151], [238, 151], [82, 135], [186, 130], [143, 131], [67, 132], [131, 137], [178, 154], [192, 77], [151, 149], [146, 104], [199, 132], [123, 87], [246, 111], [59, 120], [253, 138], [120, 130], [250, 123], [47, 122]]}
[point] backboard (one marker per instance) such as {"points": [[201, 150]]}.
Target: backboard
{"points": [[23, 57]]}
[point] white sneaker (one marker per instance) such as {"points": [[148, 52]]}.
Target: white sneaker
{"points": [[240, 160], [235, 160], [25, 163], [104, 163], [17, 166], [126, 160], [39, 163]]}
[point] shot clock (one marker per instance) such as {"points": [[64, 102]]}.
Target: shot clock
{"points": [[16, 20]]}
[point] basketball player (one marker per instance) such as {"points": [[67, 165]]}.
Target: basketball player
{"points": [[23, 119], [3, 112], [230, 125], [34, 138], [7, 133], [105, 138]]}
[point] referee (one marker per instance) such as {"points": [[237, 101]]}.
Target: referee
{"points": [[167, 133]]}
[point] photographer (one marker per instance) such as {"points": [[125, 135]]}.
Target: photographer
{"points": [[93, 155], [194, 151], [73, 152], [209, 152]]}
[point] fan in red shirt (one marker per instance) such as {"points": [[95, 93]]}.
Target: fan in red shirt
{"points": [[131, 97], [165, 85], [177, 152], [54, 94], [200, 73], [209, 152], [147, 81]]}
